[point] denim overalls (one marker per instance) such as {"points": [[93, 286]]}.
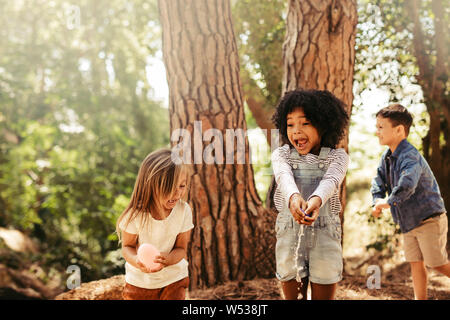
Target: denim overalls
{"points": [[309, 251]]}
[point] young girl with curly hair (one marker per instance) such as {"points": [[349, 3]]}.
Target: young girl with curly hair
{"points": [[309, 170]]}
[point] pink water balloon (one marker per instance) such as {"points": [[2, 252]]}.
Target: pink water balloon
{"points": [[147, 254]]}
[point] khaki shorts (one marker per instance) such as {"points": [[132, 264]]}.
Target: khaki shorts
{"points": [[427, 242]]}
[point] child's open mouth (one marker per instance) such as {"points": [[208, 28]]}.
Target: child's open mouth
{"points": [[300, 143], [172, 201]]}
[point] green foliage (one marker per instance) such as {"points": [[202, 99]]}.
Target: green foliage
{"points": [[260, 26], [387, 232], [383, 56], [76, 120]]}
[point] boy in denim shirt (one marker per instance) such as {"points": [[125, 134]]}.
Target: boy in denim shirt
{"points": [[413, 197]]}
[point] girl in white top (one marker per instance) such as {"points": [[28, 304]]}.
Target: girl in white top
{"points": [[157, 215]]}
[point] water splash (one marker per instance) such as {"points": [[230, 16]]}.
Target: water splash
{"points": [[301, 254]]}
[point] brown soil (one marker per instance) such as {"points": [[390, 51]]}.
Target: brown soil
{"points": [[394, 285]]}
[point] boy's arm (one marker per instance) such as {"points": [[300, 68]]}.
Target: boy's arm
{"points": [[283, 174], [333, 177], [410, 171], [378, 189]]}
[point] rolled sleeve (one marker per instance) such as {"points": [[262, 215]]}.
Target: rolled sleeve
{"points": [[129, 226], [378, 189]]}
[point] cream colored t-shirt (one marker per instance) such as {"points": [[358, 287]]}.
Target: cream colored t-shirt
{"points": [[162, 234]]}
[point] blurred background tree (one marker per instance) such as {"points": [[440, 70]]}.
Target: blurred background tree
{"points": [[421, 29], [260, 28], [77, 116]]}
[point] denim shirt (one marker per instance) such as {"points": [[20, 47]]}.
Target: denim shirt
{"points": [[413, 192]]}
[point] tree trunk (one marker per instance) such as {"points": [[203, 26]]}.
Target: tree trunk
{"points": [[319, 52], [233, 236]]}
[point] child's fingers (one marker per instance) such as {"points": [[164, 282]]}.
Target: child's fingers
{"points": [[376, 212], [157, 268], [161, 260], [300, 205], [311, 216], [144, 268], [296, 212], [296, 216], [296, 204], [300, 212], [309, 211], [140, 265], [304, 205]]}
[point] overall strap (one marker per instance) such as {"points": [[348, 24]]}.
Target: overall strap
{"points": [[293, 153], [323, 155]]}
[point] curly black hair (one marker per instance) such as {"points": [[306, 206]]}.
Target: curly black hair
{"points": [[326, 113]]}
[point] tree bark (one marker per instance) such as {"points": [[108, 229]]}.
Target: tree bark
{"points": [[233, 237], [319, 52]]}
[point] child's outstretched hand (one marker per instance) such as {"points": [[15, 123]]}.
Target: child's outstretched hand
{"points": [[380, 204], [312, 211], [296, 205], [376, 212]]}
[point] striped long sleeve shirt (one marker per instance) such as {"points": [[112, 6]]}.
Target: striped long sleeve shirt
{"points": [[328, 188]]}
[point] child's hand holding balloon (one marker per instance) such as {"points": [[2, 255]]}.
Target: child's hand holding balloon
{"points": [[163, 259], [147, 258]]}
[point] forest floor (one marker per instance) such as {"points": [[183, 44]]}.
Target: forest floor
{"points": [[357, 284], [395, 284]]}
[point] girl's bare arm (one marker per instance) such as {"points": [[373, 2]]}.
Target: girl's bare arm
{"points": [[129, 251], [178, 252]]}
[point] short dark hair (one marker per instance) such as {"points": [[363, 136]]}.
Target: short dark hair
{"points": [[326, 113], [398, 115]]}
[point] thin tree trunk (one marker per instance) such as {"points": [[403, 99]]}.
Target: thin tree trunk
{"points": [[262, 118], [233, 237]]}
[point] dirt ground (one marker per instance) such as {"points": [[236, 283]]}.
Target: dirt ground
{"points": [[395, 284], [394, 280]]}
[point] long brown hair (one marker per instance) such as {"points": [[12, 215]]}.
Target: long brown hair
{"points": [[157, 178]]}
